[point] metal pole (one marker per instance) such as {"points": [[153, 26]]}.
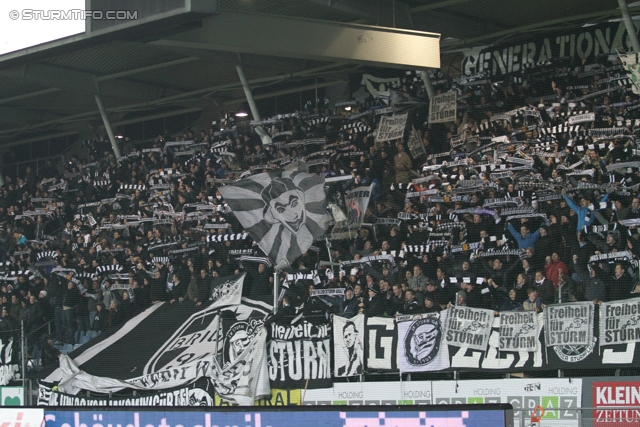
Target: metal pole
{"points": [[628, 22], [275, 289], [107, 126], [248, 94], [23, 356], [427, 83]]}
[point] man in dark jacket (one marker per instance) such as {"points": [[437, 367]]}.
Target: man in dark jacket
{"points": [[70, 302], [349, 305], [373, 305]]}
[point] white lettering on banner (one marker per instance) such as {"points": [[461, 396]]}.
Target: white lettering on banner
{"points": [[518, 331], [469, 327], [582, 118], [587, 43], [620, 322], [569, 324], [380, 343], [442, 108], [391, 128], [299, 360]]}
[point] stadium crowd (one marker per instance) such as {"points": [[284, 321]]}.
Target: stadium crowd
{"points": [[503, 209]]}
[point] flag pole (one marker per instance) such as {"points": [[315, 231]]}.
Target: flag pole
{"points": [[276, 272]]}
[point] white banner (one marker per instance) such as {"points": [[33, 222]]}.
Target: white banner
{"points": [[518, 331], [442, 108], [348, 345], [391, 128], [569, 324], [469, 327], [620, 322], [421, 344], [582, 118]]}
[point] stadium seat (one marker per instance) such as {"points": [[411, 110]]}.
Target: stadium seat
{"points": [[67, 348]]}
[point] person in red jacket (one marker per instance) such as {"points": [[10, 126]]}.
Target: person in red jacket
{"points": [[553, 268]]}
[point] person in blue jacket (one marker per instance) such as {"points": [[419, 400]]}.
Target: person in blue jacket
{"points": [[524, 238], [586, 216]]}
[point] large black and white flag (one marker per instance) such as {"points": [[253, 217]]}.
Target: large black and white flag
{"points": [[381, 344], [348, 345], [356, 202], [226, 291], [283, 211], [171, 345], [421, 344]]}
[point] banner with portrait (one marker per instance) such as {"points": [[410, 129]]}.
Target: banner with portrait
{"points": [[348, 345]]}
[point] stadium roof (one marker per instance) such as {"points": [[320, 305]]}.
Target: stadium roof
{"points": [[52, 92]]}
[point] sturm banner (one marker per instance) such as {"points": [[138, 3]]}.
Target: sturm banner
{"points": [[391, 128], [348, 347], [421, 344], [620, 322], [518, 331], [587, 42], [300, 352], [442, 108], [469, 327], [380, 344], [569, 324]]}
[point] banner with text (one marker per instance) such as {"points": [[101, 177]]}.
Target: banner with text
{"points": [[518, 331], [391, 128], [300, 352], [469, 327], [442, 108], [620, 322], [569, 324]]}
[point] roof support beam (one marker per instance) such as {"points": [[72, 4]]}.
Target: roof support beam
{"points": [[438, 5], [172, 99], [318, 40], [29, 95], [147, 68], [525, 28], [78, 81], [383, 13]]}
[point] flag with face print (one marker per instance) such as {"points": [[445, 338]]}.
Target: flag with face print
{"points": [[284, 211]]}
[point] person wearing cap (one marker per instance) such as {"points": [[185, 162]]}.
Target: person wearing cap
{"points": [[461, 298], [373, 305], [430, 306], [435, 293], [349, 305]]}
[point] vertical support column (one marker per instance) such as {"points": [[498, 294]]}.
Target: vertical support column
{"points": [[107, 126], [427, 82], [628, 22], [266, 139], [248, 94]]}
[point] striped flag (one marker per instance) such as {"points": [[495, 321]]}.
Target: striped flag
{"points": [[284, 211]]}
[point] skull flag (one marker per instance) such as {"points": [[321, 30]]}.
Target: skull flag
{"points": [[283, 211]]}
